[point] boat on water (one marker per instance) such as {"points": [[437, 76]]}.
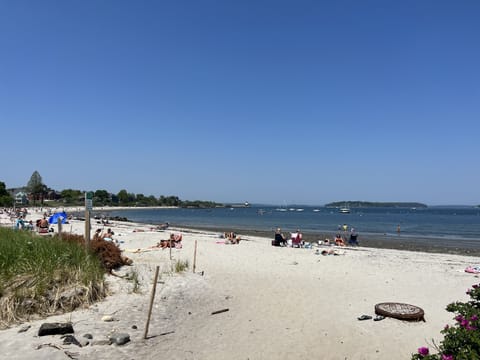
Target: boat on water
{"points": [[344, 210], [246, 204]]}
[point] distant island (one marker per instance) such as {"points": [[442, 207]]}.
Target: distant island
{"points": [[365, 204]]}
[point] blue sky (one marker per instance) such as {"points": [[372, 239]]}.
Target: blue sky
{"points": [[303, 102]]}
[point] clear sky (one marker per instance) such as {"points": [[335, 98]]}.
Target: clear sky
{"points": [[298, 102]]}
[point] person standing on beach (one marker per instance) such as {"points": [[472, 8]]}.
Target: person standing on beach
{"points": [[398, 229], [353, 237]]}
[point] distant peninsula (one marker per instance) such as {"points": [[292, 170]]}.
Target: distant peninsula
{"points": [[366, 204]]}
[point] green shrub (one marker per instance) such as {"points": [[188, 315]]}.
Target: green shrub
{"points": [[462, 340]]}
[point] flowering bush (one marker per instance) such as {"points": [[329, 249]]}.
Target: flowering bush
{"points": [[462, 340]]}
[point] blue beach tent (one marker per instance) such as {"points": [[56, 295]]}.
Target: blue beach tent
{"points": [[54, 218]]}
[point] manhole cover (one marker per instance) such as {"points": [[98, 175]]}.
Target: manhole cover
{"points": [[400, 311]]}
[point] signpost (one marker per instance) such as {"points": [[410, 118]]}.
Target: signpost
{"points": [[88, 208]]}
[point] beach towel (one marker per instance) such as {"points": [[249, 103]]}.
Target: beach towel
{"points": [[474, 269]]}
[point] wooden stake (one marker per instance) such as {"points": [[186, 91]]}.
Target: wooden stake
{"points": [[59, 224], [195, 257], [87, 227], [152, 297]]}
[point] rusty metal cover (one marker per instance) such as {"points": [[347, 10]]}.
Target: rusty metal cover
{"points": [[400, 311]]}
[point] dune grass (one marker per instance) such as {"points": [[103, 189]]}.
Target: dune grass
{"points": [[180, 265], [43, 275]]}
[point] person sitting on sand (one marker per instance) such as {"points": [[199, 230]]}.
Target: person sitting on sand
{"points": [[339, 240], [279, 239], [175, 241], [43, 224], [296, 238], [108, 236], [29, 225], [232, 238], [97, 235]]}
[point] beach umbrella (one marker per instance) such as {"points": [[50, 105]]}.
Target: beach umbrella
{"points": [[60, 215]]}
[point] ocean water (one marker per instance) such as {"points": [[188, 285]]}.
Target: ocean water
{"points": [[448, 223]]}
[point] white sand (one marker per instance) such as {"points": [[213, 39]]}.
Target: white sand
{"points": [[283, 303]]}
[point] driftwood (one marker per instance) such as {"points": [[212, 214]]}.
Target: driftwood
{"points": [[219, 311]]}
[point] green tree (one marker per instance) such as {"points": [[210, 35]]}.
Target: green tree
{"points": [[36, 187], [5, 198], [152, 200], [101, 197], [123, 197], [71, 196]]}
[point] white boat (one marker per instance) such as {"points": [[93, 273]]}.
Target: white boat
{"points": [[316, 210], [344, 210]]}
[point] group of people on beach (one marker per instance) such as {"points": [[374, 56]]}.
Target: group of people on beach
{"points": [[107, 236], [231, 238], [296, 238], [175, 241]]}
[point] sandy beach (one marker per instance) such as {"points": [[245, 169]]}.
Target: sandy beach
{"points": [[283, 303]]}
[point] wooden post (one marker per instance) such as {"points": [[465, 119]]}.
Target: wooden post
{"points": [[195, 257], [59, 225], [170, 243], [152, 297], [87, 227]]}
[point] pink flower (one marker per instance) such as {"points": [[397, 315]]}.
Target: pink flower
{"points": [[475, 286], [446, 327], [423, 351], [474, 318], [447, 357]]}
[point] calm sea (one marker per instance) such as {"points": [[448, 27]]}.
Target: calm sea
{"points": [[450, 225]]}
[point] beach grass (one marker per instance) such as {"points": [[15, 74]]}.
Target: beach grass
{"points": [[180, 266], [44, 275]]}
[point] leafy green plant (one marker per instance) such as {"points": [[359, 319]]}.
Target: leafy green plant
{"points": [[462, 340]]}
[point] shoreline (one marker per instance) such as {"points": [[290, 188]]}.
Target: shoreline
{"points": [[368, 241], [442, 245]]}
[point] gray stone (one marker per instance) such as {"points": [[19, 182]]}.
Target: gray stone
{"points": [[88, 336], [120, 338], [84, 342], [101, 342], [24, 328], [70, 339]]}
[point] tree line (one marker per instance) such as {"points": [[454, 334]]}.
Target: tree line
{"points": [[38, 192]]}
